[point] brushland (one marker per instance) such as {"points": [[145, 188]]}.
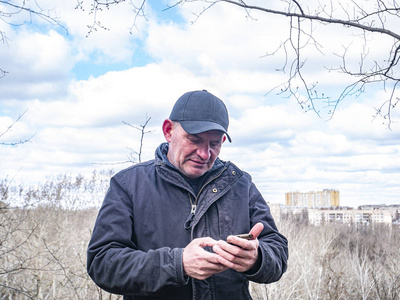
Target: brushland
{"points": [[45, 229]]}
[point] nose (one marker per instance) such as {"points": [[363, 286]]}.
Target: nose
{"points": [[203, 151]]}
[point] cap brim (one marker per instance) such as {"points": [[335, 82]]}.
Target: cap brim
{"points": [[195, 127]]}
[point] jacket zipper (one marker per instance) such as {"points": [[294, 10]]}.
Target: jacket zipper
{"points": [[188, 224], [191, 217]]}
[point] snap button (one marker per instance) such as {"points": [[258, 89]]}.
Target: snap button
{"points": [[214, 190], [233, 173]]}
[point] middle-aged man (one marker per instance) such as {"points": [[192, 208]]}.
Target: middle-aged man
{"points": [[166, 227]]}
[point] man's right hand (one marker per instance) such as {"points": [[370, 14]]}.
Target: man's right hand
{"points": [[199, 263]]}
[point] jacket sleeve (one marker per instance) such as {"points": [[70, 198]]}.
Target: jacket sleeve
{"points": [[113, 259], [273, 246]]}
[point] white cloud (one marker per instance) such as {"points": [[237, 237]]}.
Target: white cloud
{"points": [[203, 49], [39, 62], [78, 123]]}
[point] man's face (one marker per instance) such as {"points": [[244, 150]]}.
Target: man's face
{"points": [[195, 154]]}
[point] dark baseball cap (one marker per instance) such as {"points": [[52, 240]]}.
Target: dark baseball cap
{"points": [[200, 111]]}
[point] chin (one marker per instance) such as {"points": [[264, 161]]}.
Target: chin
{"points": [[196, 174]]}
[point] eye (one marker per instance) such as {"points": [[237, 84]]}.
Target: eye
{"points": [[194, 140], [215, 144]]}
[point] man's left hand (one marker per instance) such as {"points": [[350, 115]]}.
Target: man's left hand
{"points": [[237, 253]]}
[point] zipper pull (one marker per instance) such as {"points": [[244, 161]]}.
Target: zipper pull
{"points": [[189, 220], [193, 209]]}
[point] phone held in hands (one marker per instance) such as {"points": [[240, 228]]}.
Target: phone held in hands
{"points": [[246, 236]]}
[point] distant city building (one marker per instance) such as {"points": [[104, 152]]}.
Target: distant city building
{"points": [[323, 207], [349, 216], [321, 199], [394, 209]]}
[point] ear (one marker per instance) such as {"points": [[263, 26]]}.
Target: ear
{"points": [[224, 138], [167, 128]]}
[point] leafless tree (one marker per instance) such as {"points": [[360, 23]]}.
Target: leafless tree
{"points": [[367, 21], [336, 262], [143, 132], [43, 248], [133, 153], [43, 240]]}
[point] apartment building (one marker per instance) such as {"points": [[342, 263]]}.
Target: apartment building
{"points": [[349, 216], [323, 207], [320, 199], [394, 209]]}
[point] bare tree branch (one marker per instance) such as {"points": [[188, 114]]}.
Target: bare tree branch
{"points": [[331, 20], [133, 153], [14, 144], [37, 11], [379, 74], [143, 132], [377, 19]]}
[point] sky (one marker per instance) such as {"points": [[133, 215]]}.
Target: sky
{"points": [[77, 91]]}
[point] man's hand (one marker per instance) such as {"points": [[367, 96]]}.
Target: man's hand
{"points": [[199, 263], [239, 254]]}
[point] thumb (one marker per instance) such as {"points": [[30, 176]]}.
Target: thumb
{"points": [[256, 230]]}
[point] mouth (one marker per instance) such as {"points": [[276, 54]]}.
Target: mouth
{"points": [[199, 163]]}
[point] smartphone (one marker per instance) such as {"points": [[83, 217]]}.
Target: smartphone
{"points": [[246, 236]]}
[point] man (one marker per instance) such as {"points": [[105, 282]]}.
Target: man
{"points": [[165, 229]]}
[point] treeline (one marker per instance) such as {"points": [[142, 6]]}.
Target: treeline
{"points": [[44, 232], [338, 262]]}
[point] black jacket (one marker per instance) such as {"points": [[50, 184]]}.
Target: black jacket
{"points": [[145, 222]]}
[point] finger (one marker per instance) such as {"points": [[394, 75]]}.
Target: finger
{"points": [[199, 263], [230, 252], [215, 268], [236, 258], [239, 242], [229, 260], [224, 257], [206, 241], [211, 258], [256, 230], [205, 272]]}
